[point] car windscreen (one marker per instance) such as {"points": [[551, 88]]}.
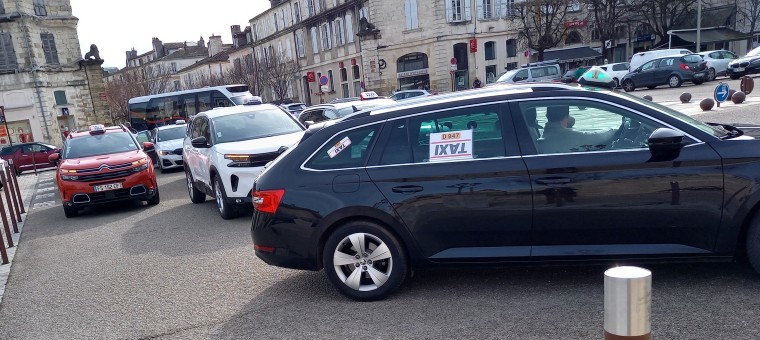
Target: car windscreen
{"points": [[254, 124], [171, 133], [507, 76], [94, 145]]}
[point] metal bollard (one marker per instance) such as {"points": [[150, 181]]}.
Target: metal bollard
{"points": [[5, 219], [18, 191], [8, 201], [627, 303], [15, 203], [3, 253]]}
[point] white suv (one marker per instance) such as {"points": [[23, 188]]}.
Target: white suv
{"points": [[226, 148]]}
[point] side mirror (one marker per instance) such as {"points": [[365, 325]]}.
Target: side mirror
{"points": [[665, 144], [308, 123], [200, 142], [148, 146], [54, 158]]}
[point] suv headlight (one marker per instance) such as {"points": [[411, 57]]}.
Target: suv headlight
{"points": [[164, 152], [141, 164]]}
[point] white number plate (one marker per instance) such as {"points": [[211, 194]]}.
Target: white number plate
{"points": [[106, 187], [739, 69], [699, 75]]}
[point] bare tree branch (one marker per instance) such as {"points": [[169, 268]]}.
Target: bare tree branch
{"points": [[542, 22]]}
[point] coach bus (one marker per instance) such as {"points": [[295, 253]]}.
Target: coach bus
{"points": [[148, 112]]}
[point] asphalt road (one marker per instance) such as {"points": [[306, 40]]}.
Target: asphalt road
{"points": [[177, 270]]}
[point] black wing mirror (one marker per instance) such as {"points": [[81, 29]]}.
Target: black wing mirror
{"points": [[665, 144], [200, 142]]}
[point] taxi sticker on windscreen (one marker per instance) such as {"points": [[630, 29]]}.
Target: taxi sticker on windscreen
{"points": [[338, 147], [450, 145]]}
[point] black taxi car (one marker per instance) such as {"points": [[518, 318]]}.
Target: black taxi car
{"points": [[501, 175]]}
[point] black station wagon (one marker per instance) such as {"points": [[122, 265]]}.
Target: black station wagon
{"points": [[510, 173]]}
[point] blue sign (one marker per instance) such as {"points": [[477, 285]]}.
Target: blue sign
{"points": [[323, 80], [721, 92]]}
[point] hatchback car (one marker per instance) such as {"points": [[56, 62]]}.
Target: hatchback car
{"points": [[671, 71], [717, 62], [168, 143], [496, 176], [323, 112], [406, 94], [616, 70], [748, 64], [104, 165], [572, 74], [542, 71], [225, 149], [29, 156], [294, 108]]}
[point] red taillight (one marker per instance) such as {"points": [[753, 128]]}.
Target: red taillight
{"points": [[267, 200], [684, 67], [263, 248]]}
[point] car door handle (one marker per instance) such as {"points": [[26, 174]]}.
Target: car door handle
{"points": [[554, 180], [407, 189]]}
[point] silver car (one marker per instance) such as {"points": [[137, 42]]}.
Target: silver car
{"points": [[717, 62]]}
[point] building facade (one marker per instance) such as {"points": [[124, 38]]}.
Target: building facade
{"points": [[44, 85]]}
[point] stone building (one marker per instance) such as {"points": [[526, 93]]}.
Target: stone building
{"points": [[43, 80]]}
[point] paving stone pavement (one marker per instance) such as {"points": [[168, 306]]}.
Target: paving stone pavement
{"points": [[28, 183]]}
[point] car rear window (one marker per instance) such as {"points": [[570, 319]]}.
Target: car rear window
{"points": [[254, 124], [620, 67], [693, 58], [94, 145]]}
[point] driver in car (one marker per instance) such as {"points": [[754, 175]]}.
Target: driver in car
{"points": [[559, 136]]}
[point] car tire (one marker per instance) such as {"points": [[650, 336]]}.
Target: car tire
{"points": [[225, 210], [628, 85], [753, 243], [70, 211], [711, 74], [651, 87], [617, 82], [674, 81], [698, 81], [389, 267], [196, 196], [156, 199], [734, 77]]}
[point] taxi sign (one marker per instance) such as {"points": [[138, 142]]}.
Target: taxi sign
{"points": [[596, 76], [97, 129], [368, 95]]}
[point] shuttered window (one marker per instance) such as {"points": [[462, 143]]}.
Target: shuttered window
{"points": [[48, 46], [8, 62]]}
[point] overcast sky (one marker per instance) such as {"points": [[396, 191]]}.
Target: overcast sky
{"points": [[117, 27]]}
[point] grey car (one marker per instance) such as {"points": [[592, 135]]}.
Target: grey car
{"points": [[671, 71]]}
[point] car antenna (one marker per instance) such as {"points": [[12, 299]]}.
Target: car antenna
{"points": [[355, 109]]}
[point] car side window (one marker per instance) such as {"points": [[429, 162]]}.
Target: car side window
{"points": [[39, 148], [650, 65], [728, 55], [577, 125], [205, 130], [27, 148], [666, 62], [347, 149], [538, 72], [521, 75], [197, 123], [462, 133]]}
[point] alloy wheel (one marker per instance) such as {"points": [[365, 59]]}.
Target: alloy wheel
{"points": [[362, 261], [711, 74], [219, 198], [189, 185]]}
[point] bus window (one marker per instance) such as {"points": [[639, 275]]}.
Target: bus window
{"points": [[161, 111], [204, 101], [137, 116], [188, 101], [221, 100]]}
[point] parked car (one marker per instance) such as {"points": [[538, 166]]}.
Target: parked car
{"points": [[434, 183], [406, 94], [542, 71], [641, 58], [104, 165], [323, 112], [147, 136], [617, 71], [28, 156], [572, 75], [671, 71], [225, 149], [344, 100], [294, 108], [168, 144], [717, 62], [748, 64]]}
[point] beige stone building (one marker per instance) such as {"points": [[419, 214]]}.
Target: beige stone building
{"points": [[43, 80]]}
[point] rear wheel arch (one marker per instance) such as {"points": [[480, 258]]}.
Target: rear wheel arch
{"points": [[387, 222]]}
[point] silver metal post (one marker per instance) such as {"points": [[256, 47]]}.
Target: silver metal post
{"points": [[699, 24], [627, 303]]}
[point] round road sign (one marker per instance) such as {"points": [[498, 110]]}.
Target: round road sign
{"points": [[453, 61], [323, 80], [721, 92]]}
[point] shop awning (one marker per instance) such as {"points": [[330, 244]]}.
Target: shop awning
{"points": [[572, 54], [711, 34]]}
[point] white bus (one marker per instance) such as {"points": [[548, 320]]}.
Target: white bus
{"points": [[148, 112]]}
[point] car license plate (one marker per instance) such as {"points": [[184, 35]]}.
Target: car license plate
{"points": [[739, 69], [699, 75], [106, 187]]}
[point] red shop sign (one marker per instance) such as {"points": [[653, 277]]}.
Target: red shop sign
{"points": [[576, 23]]}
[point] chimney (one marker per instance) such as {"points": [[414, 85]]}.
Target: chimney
{"points": [[158, 48], [235, 29], [130, 55], [201, 42], [214, 45]]}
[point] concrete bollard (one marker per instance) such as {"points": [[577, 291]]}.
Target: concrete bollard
{"points": [[8, 187], [627, 303]]}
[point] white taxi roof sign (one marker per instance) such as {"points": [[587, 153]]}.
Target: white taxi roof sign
{"points": [[368, 95], [97, 129]]}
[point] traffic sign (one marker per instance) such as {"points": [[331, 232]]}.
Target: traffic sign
{"points": [[323, 80], [324, 88], [721, 92], [453, 61]]}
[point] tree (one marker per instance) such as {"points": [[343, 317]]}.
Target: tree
{"points": [[542, 22], [749, 11], [663, 15], [608, 16], [275, 73]]}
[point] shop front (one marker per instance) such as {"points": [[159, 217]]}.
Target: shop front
{"points": [[412, 72]]}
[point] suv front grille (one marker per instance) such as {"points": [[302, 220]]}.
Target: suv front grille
{"points": [[106, 166]]}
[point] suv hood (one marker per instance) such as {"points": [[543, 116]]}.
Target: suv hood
{"points": [[259, 145], [170, 144], [97, 161], [745, 60]]}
